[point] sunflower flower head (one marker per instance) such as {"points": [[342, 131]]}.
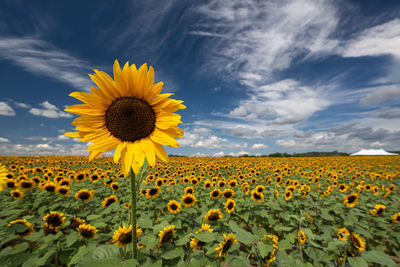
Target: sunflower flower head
{"points": [[343, 233], [358, 242], [87, 231], [166, 235], [27, 227], [127, 114], [123, 235], [378, 210], [224, 246], [54, 219]]}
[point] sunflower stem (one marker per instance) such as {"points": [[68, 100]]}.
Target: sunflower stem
{"points": [[133, 209]]}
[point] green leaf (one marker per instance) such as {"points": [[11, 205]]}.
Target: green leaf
{"points": [[72, 238], [82, 251], [105, 251], [378, 257], [109, 262], [264, 249], [93, 217], [183, 240], [34, 237], [333, 245], [174, 253], [145, 221], [42, 260], [242, 235], [205, 236], [239, 262], [149, 241], [17, 249], [357, 262], [128, 263], [283, 228], [284, 244]]}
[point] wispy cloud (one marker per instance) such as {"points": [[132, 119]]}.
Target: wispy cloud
{"points": [[264, 36], [49, 110], [381, 94], [42, 58], [383, 39], [6, 110]]}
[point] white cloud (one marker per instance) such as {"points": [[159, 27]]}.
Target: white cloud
{"points": [[280, 103], [6, 110], [40, 57], [259, 146], [49, 110], [212, 141], [381, 94], [63, 137], [378, 144], [264, 36], [382, 39], [4, 140], [43, 149], [240, 153], [219, 154]]}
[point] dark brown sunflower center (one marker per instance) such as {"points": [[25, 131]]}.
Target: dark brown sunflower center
{"points": [[228, 194], [83, 196], [188, 200], [63, 191], [226, 246], [50, 188], [213, 217], [351, 199], [257, 196], [167, 237], [54, 221], [109, 202], [215, 193], [174, 207], [87, 233], [230, 206], [130, 119], [125, 238], [153, 191]]}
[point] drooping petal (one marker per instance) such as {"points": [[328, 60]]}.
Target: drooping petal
{"points": [[117, 153], [160, 151], [159, 136], [148, 148]]}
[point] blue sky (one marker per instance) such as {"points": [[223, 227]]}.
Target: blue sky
{"points": [[257, 77]]}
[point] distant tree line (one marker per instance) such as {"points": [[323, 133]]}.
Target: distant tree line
{"points": [[285, 155]]}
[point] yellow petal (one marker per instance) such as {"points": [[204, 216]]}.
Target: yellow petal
{"points": [[94, 154], [108, 144], [159, 136], [128, 157], [83, 109], [148, 148], [148, 83], [90, 99], [160, 152], [118, 150], [158, 98]]}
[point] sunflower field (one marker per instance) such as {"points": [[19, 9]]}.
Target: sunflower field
{"points": [[63, 211]]}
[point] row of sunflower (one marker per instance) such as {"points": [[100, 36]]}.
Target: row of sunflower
{"points": [[263, 196]]}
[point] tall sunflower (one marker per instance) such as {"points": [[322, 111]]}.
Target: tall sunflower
{"points": [[127, 114]]}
